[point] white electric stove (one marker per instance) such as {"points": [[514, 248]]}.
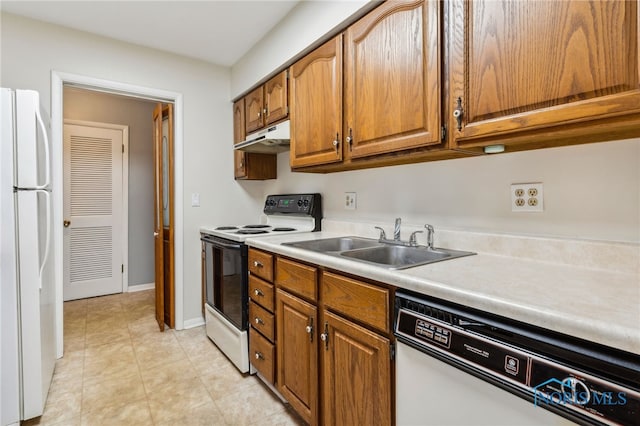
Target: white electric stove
{"points": [[225, 267]]}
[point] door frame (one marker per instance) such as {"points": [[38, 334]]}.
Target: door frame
{"points": [[58, 79], [124, 190]]}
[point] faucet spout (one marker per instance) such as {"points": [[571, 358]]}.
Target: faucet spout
{"points": [[396, 230]]}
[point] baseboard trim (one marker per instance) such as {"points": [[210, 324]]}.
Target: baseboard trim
{"points": [[141, 287], [193, 323]]}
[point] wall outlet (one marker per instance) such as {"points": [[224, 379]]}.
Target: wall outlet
{"points": [[527, 197], [350, 200]]}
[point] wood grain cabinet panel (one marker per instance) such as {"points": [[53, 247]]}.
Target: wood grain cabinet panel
{"points": [[392, 79], [261, 264], [543, 70], [254, 110], [364, 302], [276, 99], [250, 166], [356, 366], [297, 278], [297, 354], [261, 292], [262, 320], [316, 106], [262, 355]]}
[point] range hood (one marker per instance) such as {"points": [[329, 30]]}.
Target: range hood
{"points": [[270, 140]]}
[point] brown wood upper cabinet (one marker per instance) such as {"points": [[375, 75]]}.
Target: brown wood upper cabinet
{"points": [[543, 72], [267, 104], [392, 79], [249, 166], [391, 76]]}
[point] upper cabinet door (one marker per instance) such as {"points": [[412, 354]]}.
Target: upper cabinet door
{"points": [[392, 78], [254, 110], [238, 121], [276, 98], [531, 68], [316, 106]]}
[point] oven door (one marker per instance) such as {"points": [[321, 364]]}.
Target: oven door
{"points": [[226, 279]]}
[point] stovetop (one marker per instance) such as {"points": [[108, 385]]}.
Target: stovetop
{"points": [[283, 214]]}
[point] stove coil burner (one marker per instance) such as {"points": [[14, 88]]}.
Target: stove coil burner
{"points": [[252, 231], [283, 229], [226, 228], [256, 226]]}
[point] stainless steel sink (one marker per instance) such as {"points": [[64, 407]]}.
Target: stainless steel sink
{"points": [[335, 244], [377, 253], [400, 257]]}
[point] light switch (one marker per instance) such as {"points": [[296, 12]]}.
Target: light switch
{"points": [[195, 199]]}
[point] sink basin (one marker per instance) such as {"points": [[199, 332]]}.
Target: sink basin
{"points": [[376, 253], [335, 244], [400, 257]]}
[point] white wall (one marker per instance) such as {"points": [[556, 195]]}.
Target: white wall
{"points": [[30, 50], [590, 191], [137, 114]]}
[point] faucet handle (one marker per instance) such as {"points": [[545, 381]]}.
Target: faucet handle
{"points": [[383, 236], [430, 232], [412, 238]]}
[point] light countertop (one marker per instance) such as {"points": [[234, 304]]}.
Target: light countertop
{"points": [[596, 305]]}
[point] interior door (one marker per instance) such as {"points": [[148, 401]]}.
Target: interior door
{"points": [[158, 214], [93, 211], [167, 214]]}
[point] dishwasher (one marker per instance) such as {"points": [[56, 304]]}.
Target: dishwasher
{"points": [[460, 366]]}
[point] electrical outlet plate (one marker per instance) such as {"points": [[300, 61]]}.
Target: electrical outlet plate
{"points": [[527, 197], [350, 200]]}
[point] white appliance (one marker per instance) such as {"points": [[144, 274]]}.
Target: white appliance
{"points": [[225, 262], [270, 140], [27, 287]]}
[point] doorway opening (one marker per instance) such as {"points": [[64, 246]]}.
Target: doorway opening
{"points": [[64, 81]]}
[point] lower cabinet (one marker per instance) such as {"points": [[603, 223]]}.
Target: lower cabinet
{"points": [[297, 354], [356, 373], [334, 362]]}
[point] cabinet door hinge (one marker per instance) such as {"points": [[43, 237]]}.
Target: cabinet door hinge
{"points": [[392, 351], [443, 133]]}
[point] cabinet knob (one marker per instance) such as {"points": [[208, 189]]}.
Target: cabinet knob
{"points": [[258, 320], [458, 113], [309, 329], [258, 292], [336, 142], [259, 355], [257, 264]]}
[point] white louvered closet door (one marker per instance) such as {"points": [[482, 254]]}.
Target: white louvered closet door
{"points": [[93, 204]]}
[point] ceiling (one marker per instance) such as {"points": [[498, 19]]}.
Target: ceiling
{"points": [[220, 32]]}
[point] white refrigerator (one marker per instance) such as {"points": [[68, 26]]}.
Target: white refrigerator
{"points": [[27, 286]]}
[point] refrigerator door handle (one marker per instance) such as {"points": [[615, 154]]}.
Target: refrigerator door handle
{"points": [[47, 195], [47, 153]]}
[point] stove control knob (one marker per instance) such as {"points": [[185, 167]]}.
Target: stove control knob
{"points": [[299, 203], [306, 203]]}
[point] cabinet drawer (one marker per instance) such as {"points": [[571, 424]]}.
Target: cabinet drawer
{"points": [[261, 320], [298, 278], [261, 264], [261, 292], [361, 301], [262, 355]]}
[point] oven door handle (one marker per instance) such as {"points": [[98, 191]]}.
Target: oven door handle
{"points": [[224, 245]]}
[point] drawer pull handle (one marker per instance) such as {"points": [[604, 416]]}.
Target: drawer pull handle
{"points": [[259, 355], [258, 321], [258, 292], [258, 264]]}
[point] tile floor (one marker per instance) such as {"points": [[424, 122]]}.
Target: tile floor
{"points": [[118, 369]]}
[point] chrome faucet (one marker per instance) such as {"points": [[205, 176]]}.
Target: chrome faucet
{"points": [[396, 229], [396, 236], [430, 232]]}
